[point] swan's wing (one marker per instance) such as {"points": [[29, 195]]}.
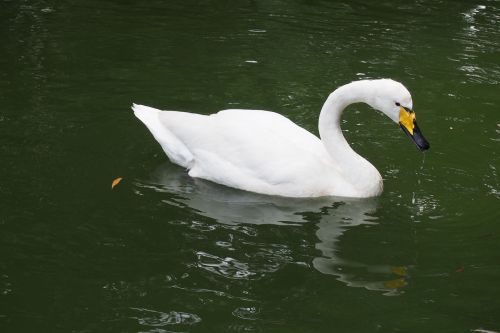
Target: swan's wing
{"points": [[248, 149]]}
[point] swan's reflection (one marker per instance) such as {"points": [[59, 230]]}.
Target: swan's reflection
{"points": [[353, 213], [333, 218]]}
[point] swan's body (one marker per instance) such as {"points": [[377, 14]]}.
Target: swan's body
{"points": [[264, 152]]}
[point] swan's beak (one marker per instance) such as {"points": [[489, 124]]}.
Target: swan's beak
{"points": [[408, 123]]}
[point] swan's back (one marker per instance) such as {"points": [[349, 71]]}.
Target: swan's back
{"points": [[255, 150]]}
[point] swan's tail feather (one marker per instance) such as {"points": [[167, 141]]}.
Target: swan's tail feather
{"points": [[146, 114], [176, 151]]}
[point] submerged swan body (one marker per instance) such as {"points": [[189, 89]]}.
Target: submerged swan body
{"points": [[264, 152]]}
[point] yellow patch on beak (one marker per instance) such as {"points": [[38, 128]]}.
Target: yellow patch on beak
{"points": [[407, 118]]}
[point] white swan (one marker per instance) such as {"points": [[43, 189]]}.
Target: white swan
{"points": [[264, 152]]}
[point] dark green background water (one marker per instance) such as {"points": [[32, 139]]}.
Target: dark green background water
{"points": [[166, 253]]}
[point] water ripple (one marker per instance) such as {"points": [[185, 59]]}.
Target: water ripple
{"points": [[479, 47], [158, 318], [217, 293], [5, 285], [247, 313], [227, 267]]}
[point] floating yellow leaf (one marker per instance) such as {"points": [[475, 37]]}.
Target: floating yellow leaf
{"points": [[115, 182]]}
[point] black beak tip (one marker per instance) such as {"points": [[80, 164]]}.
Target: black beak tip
{"points": [[417, 138], [423, 146]]}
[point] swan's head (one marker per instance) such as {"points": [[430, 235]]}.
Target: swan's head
{"points": [[393, 99]]}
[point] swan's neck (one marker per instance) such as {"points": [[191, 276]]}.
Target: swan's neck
{"points": [[360, 173]]}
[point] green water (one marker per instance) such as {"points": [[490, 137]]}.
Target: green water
{"points": [[166, 253]]}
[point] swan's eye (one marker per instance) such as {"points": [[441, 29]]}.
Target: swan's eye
{"points": [[397, 104]]}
